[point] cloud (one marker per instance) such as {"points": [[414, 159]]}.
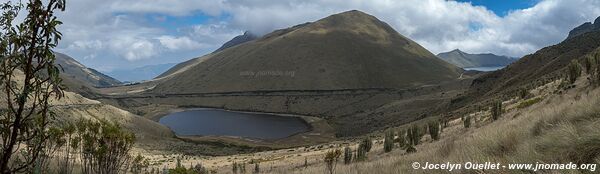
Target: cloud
{"points": [[133, 49], [113, 33], [178, 43]]}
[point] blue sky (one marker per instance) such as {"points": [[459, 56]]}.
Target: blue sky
{"points": [[502, 7], [124, 34]]}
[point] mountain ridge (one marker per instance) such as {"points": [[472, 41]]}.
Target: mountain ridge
{"points": [[342, 51], [466, 60]]}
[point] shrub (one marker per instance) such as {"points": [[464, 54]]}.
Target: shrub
{"points": [[466, 121], [347, 155], [588, 64], [574, 71], [496, 109], [414, 135], [331, 159], [529, 102], [388, 141], [104, 146], [523, 93], [401, 139], [139, 164], [367, 144], [256, 168], [434, 129]]}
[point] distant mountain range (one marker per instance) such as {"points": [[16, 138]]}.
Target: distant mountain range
{"points": [[351, 50], [585, 28], [466, 60], [140, 73]]}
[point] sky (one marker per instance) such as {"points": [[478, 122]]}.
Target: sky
{"points": [[122, 34]]}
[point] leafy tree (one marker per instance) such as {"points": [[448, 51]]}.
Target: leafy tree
{"points": [[331, 159], [26, 50]]}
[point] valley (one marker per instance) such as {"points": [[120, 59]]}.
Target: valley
{"points": [[342, 93]]}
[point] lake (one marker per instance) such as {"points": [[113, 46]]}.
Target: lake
{"points": [[215, 122], [485, 68]]}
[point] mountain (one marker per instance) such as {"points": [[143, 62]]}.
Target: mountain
{"points": [[466, 60], [585, 28], [76, 71], [350, 50], [545, 64], [147, 72], [247, 36]]}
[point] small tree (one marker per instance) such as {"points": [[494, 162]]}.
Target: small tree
{"points": [[496, 110], [574, 71], [347, 155], [26, 51], [388, 141], [331, 159]]}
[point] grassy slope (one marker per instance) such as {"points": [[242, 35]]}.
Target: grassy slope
{"points": [[560, 129]]}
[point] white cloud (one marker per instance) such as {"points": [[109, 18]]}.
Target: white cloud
{"points": [[133, 49], [178, 43], [118, 30]]}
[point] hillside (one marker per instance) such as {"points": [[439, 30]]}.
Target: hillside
{"points": [[76, 71], [350, 50], [466, 60]]}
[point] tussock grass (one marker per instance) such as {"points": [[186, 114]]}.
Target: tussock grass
{"points": [[561, 129]]}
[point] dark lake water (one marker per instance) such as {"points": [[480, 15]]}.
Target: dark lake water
{"points": [[227, 123], [485, 68]]}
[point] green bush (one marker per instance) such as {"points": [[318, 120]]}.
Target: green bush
{"points": [[529, 102]]}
